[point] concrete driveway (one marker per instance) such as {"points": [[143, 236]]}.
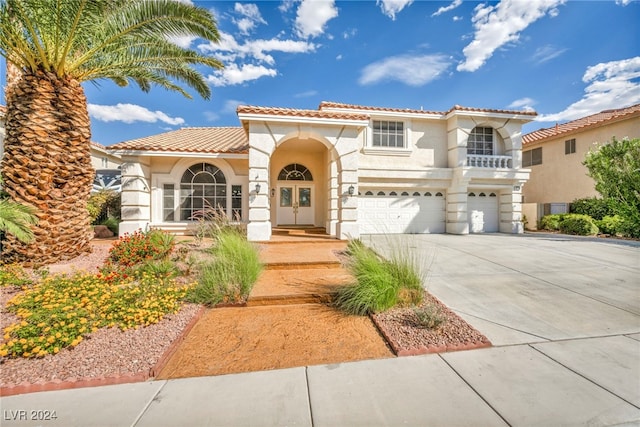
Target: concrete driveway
{"points": [[559, 310]]}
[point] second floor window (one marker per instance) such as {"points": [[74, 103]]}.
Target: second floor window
{"points": [[570, 146], [388, 134], [480, 141], [532, 157]]}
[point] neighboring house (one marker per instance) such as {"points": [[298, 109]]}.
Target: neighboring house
{"points": [[107, 166], [349, 169], [555, 156]]}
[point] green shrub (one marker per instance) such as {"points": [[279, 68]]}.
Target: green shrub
{"points": [[593, 207], [611, 225], [14, 275], [582, 225], [104, 203], [429, 316], [380, 284], [132, 249], [551, 222], [230, 276]]}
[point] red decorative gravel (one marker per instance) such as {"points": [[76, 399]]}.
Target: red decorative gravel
{"points": [[401, 329]]}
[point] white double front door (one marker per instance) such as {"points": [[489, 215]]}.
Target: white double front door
{"points": [[295, 204]]}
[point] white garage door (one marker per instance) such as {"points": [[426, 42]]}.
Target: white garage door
{"points": [[394, 212], [483, 212]]}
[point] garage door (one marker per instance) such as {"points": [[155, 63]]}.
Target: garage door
{"points": [[483, 212], [394, 212]]}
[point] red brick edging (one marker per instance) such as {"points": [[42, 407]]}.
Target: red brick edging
{"points": [[72, 383]]}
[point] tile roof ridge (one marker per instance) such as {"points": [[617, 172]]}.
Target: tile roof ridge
{"points": [[580, 123]]}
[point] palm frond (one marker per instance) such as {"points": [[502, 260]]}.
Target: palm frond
{"points": [[15, 219]]}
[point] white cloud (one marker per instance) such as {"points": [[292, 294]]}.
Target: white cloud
{"points": [[256, 49], [609, 85], [339, 57], [547, 53], [623, 2], [306, 94], [182, 41], [457, 18], [313, 15], [130, 113], [444, 9], [523, 103], [211, 116], [251, 17], [231, 105], [413, 70], [391, 7], [234, 75], [496, 25]]}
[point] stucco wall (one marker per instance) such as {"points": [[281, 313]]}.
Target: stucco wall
{"points": [[563, 178]]}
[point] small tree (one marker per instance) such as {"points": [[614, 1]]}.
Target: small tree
{"points": [[615, 167]]}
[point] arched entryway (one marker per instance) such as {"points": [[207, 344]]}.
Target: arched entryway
{"points": [[295, 196]]}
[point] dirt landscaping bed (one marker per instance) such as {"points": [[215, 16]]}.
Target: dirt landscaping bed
{"points": [[229, 340]]}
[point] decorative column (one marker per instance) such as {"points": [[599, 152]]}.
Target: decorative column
{"points": [[136, 195], [347, 227], [457, 207], [261, 147], [332, 196], [511, 210]]}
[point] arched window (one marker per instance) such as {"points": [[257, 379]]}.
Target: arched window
{"points": [[482, 195], [438, 194], [295, 172], [369, 193], [203, 187], [381, 193], [415, 193], [393, 193], [472, 194], [404, 193], [427, 194], [480, 141]]}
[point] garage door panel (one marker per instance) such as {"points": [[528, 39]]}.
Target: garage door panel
{"points": [[401, 214], [483, 213]]}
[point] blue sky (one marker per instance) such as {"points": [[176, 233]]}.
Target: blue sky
{"points": [[563, 59]]}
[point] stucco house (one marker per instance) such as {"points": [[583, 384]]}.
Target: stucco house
{"points": [[107, 166], [555, 157], [348, 169]]}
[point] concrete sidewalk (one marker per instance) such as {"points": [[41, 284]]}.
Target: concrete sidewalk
{"points": [[563, 315]]}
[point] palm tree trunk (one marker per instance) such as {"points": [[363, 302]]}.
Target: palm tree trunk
{"points": [[47, 165]]}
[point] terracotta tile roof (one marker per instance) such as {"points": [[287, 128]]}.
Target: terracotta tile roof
{"points": [[326, 104], [493, 110], [293, 112], [191, 140], [594, 120]]}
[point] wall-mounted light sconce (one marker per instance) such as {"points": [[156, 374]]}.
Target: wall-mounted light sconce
{"points": [[516, 188], [273, 192], [351, 190], [257, 188]]}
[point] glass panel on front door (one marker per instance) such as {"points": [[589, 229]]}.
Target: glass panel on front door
{"points": [[285, 197], [304, 197]]}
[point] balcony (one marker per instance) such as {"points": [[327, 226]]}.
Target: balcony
{"points": [[491, 162]]}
